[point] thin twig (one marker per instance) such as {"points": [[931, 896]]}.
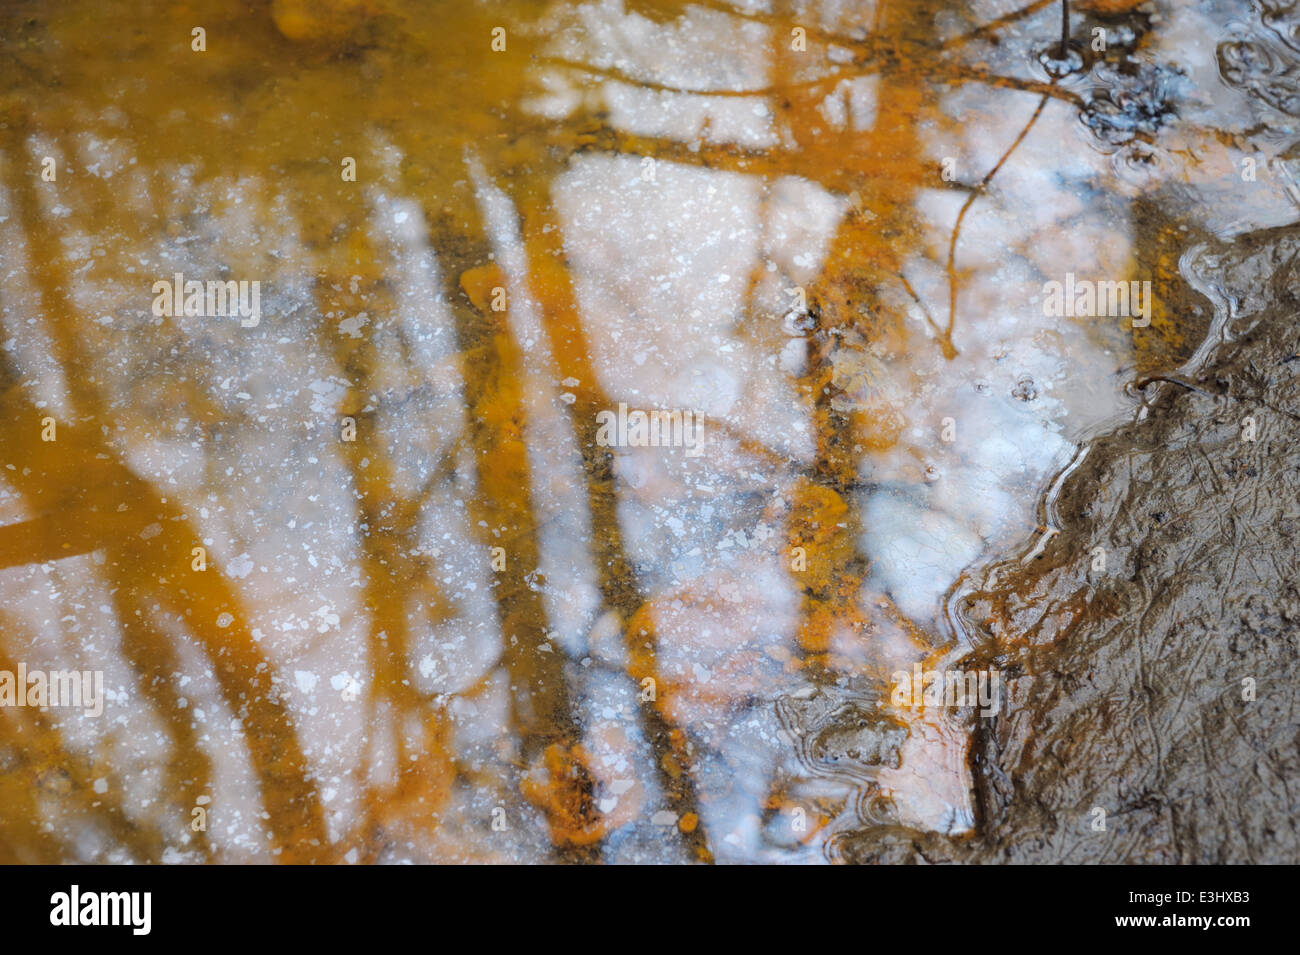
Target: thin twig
{"points": [[978, 191]]}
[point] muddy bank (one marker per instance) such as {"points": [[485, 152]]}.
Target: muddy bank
{"points": [[1129, 671]]}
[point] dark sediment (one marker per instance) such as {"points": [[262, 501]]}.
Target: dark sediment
{"points": [[1126, 689]]}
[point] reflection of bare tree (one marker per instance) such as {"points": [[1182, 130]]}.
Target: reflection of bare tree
{"points": [[87, 499]]}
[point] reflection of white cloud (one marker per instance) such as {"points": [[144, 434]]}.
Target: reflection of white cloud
{"points": [[916, 552]]}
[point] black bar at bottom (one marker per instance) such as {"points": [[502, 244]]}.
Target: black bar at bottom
{"points": [[339, 906]]}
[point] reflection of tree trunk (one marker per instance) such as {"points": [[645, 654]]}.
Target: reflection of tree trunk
{"points": [[155, 663], [81, 474], [502, 515], [156, 571], [38, 764], [387, 537], [552, 287], [24, 840], [879, 167]]}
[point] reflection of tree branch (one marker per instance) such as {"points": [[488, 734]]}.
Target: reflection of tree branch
{"points": [[722, 157], [979, 191], [136, 566], [617, 75], [907, 286], [960, 73], [755, 447], [994, 25], [1065, 30], [943, 72], [825, 518]]}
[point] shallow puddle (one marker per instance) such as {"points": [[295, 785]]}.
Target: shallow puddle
{"points": [[390, 566]]}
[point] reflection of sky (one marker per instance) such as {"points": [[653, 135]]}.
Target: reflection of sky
{"points": [[662, 269], [659, 269], [682, 278]]}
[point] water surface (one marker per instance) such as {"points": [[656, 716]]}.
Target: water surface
{"points": [[440, 620]]}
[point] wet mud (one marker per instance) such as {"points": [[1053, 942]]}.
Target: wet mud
{"points": [[1149, 649]]}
